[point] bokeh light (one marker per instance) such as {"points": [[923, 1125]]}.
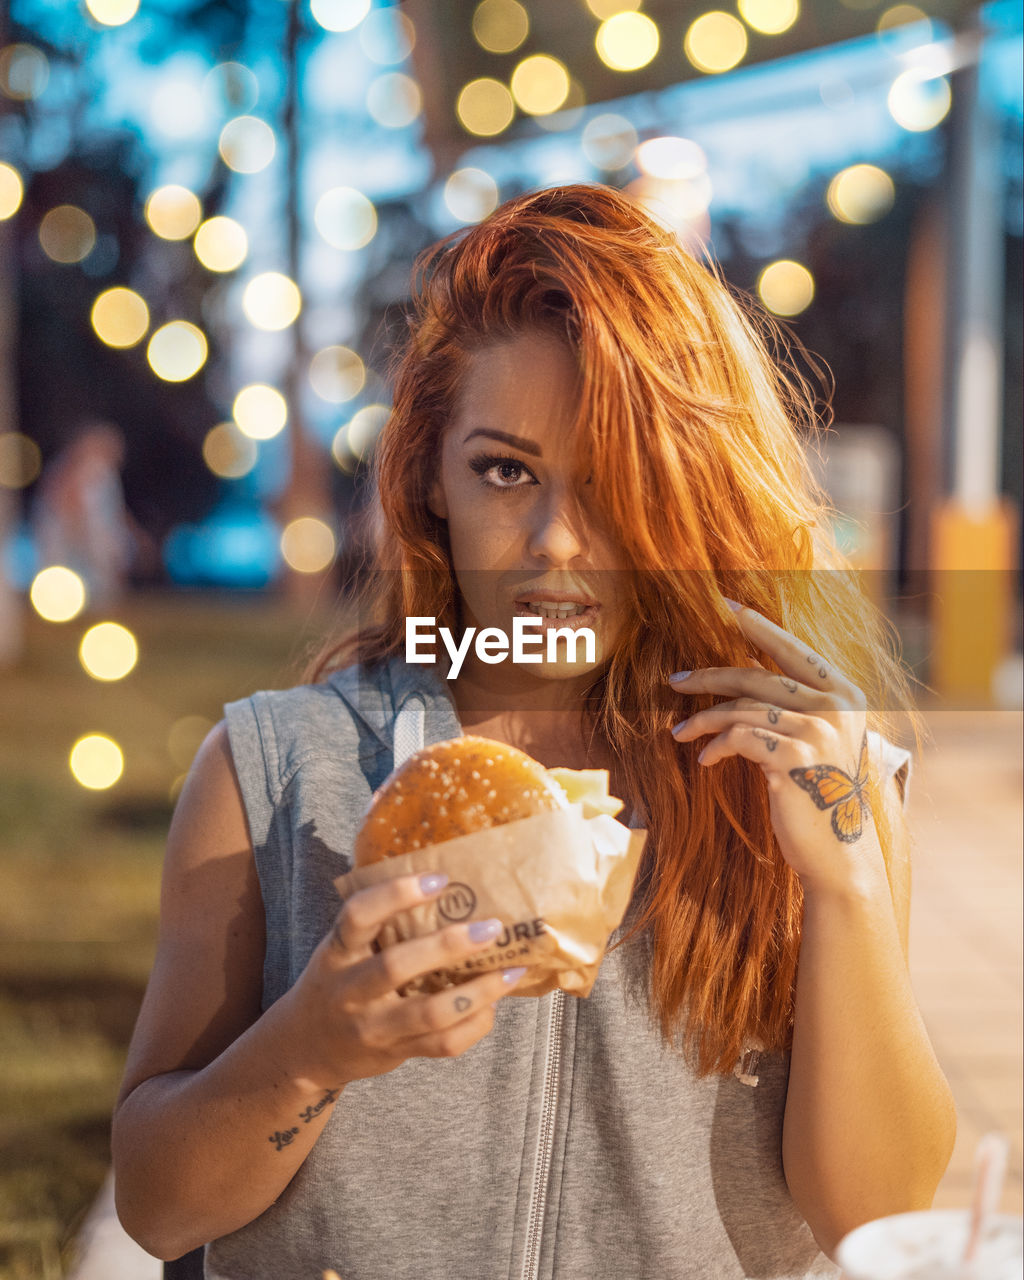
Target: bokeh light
{"points": [[21, 460], [364, 428], [500, 26], [540, 84], [271, 301], [387, 36], [113, 13], [770, 17], [233, 83], [715, 42], [260, 411], [185, 738], [96, 762], [177, 108], [177, 351], [221, 244], [24, 72], [627, 41], [902, 15], [470, 194], [120, 317], [674, 159], [609, 141], [785, 287], [337, 374], [247, 144], [394, 100], [173, 212], [609, 8], [108, 651], [485, 107], [860, 194], [339, 15], [345, 218], [67, 234], [57, 593], [12, 190], [919, 100], [307, 544], [228, 453]]}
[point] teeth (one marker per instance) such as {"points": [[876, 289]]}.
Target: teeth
{"points": [[555, 608]]}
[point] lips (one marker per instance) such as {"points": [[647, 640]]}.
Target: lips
{"points": [[570, 610]]}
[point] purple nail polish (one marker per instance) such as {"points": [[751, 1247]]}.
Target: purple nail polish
{"points": [[433, 882], [732, 604], [484, 930], [513, 975], [681, 725], [679, 675]]}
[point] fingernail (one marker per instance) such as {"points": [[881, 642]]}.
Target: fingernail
{"points": [[679, 675], [433, 882], [484, 930], [681, 725], [732, 604], [700, 758], [513, 975]]}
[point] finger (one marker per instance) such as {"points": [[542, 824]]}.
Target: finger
{"points": [[714, 719], [774, 751], [454, 1040], [755, 684], [427, 1015], [392, 968], [363, 915]]}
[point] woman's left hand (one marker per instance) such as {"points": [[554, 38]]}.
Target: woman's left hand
{"points": [[807, 730]]}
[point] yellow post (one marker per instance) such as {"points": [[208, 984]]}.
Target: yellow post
{"points": [[972, 596]]}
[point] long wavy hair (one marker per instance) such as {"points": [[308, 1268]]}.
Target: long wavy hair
{"points": [[694, 425]]}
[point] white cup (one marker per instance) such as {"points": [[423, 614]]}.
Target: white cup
{"points": [[930, 1246]]}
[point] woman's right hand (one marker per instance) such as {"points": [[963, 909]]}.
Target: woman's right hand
{"points": [[353, 1024]]}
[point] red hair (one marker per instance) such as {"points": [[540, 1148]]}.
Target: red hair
{"points": [[692, 433]]}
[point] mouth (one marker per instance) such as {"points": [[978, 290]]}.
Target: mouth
{"points": [[571, 611]]}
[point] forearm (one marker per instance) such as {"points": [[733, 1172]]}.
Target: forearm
{"points": [[200, 1153], [869, 1123]]}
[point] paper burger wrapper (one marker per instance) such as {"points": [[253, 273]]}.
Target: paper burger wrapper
{"points": [[558, 882]]}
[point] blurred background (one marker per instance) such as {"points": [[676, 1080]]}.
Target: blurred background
{"points": [[208, 213]]}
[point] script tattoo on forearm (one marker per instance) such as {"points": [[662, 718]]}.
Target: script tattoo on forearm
{"points": [[282, 1138]]}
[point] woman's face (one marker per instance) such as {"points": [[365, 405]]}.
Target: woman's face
{"points": [[524, 538]]}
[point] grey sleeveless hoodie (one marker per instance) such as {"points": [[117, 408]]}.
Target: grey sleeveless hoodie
{"points": [[569, 1144]]}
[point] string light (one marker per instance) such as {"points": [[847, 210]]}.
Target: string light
{"points": [[21, 460], [339, 15], [260, 411], [120, 317], [272, 301], [715, 42], [674, 159], [221, 244], [108, 651], [364, 427], [345, 218], [96, 762], [177, 351], [12, 191], [860, 194], [500, 26], [173, 212], [387, 36], [247, 144], [770, 17], [228, 453], [470, 194], [337, 374], [113, 13], [57, 593], [485, 107], [605, 9], [785, 287], [67, 234], [627, 41], [918, 100], [307, 545], [540, 84]]}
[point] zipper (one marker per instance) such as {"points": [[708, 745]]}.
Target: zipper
{"points": [[545, 1137]]}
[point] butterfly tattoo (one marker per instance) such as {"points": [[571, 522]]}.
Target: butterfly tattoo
{"points": [[830, 786]]}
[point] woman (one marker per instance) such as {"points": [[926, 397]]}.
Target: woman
{"points": [[583, 416]]}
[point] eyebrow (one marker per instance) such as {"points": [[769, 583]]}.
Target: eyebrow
{"points": [[517, 442]]}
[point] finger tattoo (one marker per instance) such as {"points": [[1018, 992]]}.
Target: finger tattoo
{"points": [[791, 685], [814, 660], [773, 715], [769, 739], [462, 1003]]}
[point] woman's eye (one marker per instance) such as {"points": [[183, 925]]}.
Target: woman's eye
{"points": [[507, 474], [502, 473]]}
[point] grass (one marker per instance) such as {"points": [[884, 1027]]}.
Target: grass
{"points": [[79, 879]]}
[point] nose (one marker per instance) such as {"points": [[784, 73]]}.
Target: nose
{"points": [[558, 532]]}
